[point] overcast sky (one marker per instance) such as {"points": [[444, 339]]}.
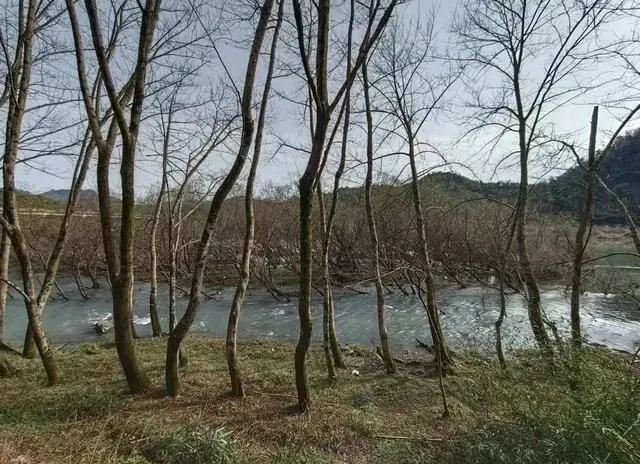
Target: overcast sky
{"points": [[287, 122]]}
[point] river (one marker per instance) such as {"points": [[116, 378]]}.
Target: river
{"points": [[468, 316]]}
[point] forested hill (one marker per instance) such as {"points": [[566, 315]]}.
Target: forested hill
{"points": [[620, 169]]}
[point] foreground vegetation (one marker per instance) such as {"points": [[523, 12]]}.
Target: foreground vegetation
{"points": [[526, 415]]}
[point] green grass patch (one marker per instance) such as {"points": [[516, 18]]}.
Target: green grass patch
{"points": [[526, 414]]}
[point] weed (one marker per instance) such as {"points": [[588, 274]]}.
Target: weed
{"points": [[195, 444]]}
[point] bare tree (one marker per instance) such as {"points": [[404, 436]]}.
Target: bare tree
{"points": [[35, 299], [410, 98], [237, 388], [317, 84], [382, 325], [5, 251], [245, 101], [330, 338], [536, 51], [120, 273], [584, 224]]}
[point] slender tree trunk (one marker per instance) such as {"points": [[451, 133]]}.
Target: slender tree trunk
{"points": [[326, 288], [92, 275], [500, 320], [437, 335], [60, 291], [304, 302], [172, 292], [5, 251], [371, 220], [182, 328], [331, 323], [336, 351], [10, 220], [581, 239], [318, 88], [524, 265], [235, 375], [79, 283], [439, 366], [153, 293]]}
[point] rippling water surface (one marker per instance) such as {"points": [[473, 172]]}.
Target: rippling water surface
{"points": [[468, 317]]}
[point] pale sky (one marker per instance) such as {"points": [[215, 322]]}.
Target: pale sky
{"points": [[287, 122]]}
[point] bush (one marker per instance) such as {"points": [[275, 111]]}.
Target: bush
{"points": [[196, 444], [597, 424]]}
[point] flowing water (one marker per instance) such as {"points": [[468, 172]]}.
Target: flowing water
{"points": [[468, 317]]}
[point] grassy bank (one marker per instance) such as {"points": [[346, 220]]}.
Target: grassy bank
{"points": [[526, 415]]}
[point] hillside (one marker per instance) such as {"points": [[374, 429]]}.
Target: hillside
{"points": [[88, 199], [620, 169], [561, 195], [28, 201]]}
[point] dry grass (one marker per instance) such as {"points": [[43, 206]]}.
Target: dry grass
{"points": [[91, 419]]}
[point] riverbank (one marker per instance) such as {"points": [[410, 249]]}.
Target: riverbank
{"points": [[527, 414]]}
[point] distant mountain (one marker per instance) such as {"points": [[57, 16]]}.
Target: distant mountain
{"points": [[28, 200], [88, 199], [620, 169], [563, 195]]}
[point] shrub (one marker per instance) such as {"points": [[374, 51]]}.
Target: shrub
{"points": [[196, 444]]}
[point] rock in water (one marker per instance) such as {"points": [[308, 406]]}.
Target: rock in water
{"points": [[102, 328]]}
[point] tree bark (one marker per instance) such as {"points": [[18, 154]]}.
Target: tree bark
{"points": [[326, 289], [153, 252], [581, 233], [373, 233], [182, 328], [500, 320], [5, 252]]}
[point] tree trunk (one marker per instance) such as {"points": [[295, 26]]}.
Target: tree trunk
{"points": [[29, 345], [235, 375], [524, 265], [373, 233], [79, 283], [92, 275], [304, 302], [120, 274], [182, 328], [172, 292], [318, 88], [10, 219], [581, 239], [333, 337], [500, 320], [153, 293], [60, 291], [326, 288], [5, 251], [433, 316]]}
